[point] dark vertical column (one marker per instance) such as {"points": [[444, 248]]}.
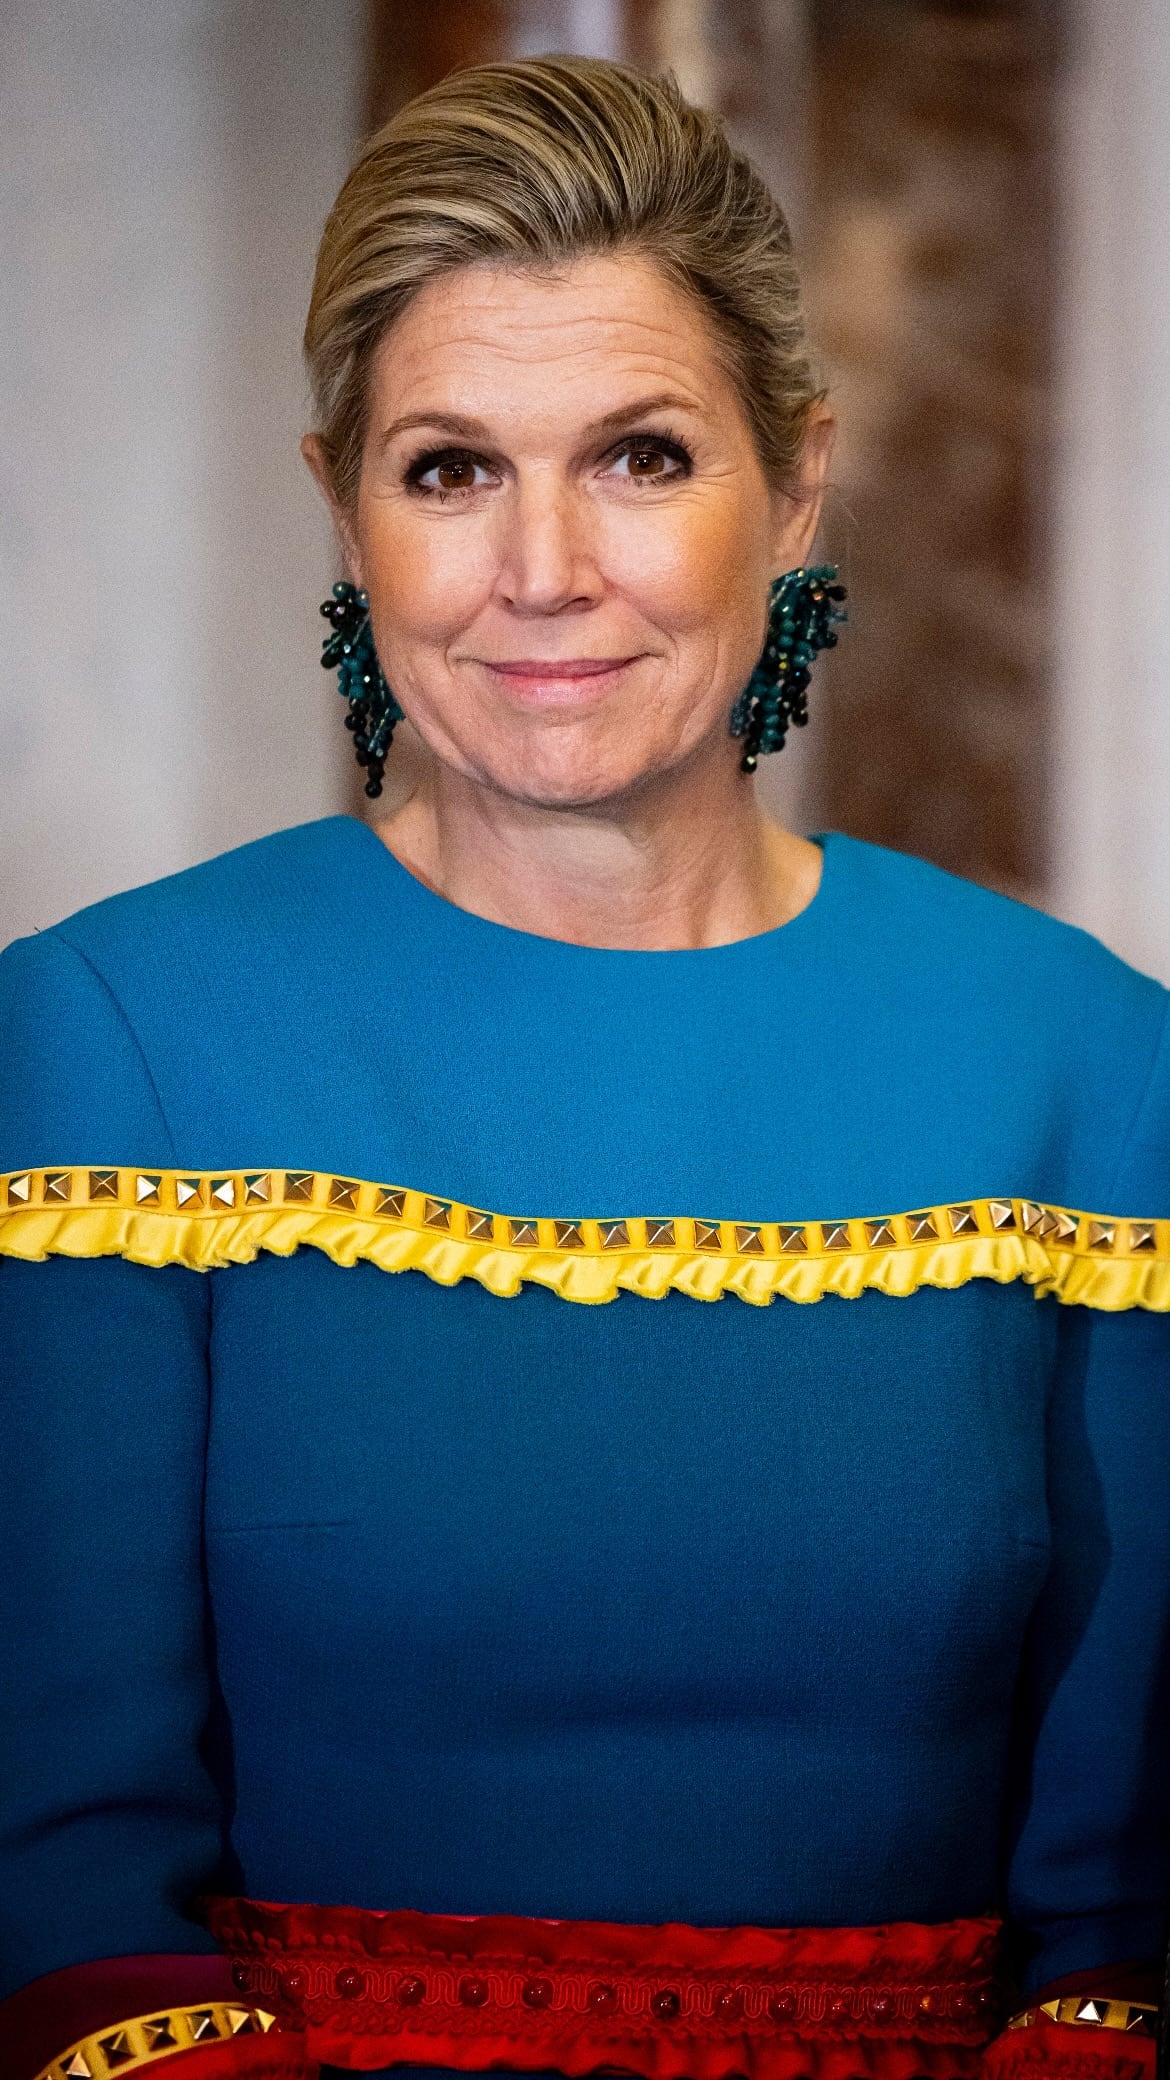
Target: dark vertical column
{"points": [[929, 254], [413, 43]]}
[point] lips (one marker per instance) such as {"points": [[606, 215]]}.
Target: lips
{"points": [[556, 667], [556, 681]]}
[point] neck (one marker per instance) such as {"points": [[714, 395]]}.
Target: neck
{"points": [[687, 863]]}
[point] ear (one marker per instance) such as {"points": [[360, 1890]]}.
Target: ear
{"points": [[313, 451], [798, 507]]}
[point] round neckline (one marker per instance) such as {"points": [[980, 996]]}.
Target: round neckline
{"points": [[455, 917]]}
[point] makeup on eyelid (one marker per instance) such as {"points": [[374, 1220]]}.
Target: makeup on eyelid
{"points": [[663, 447]]}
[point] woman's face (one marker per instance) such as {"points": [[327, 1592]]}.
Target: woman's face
{"points": [[564, 529]]}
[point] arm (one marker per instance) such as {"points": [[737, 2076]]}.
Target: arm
{"points": [[112, 1810], [1088, 1889]]}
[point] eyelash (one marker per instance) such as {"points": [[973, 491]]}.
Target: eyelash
{"points": [[433, 459], [667, 444]]}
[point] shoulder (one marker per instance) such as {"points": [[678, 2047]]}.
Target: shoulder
{"points": [[1002, 997], [970, 940], [259, 890], [94, 1011]]}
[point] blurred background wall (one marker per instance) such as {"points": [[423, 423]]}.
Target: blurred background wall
{"points": [[980, 193]]}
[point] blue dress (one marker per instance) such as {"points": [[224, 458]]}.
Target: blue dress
{"points": [[496, 1426]]}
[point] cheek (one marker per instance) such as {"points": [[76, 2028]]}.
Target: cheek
{"points": [[426, 578], [689, 568]]}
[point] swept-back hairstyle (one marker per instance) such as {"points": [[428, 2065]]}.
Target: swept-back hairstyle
{"points": [[534, 163]]}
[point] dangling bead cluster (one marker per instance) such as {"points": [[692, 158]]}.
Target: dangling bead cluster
{"points": [[373, 710], [803, 607]]}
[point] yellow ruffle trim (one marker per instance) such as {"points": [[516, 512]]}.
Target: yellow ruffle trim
{"points": [[205, 1220]]}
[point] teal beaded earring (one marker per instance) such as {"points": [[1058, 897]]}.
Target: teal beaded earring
{"points": [[802, 609], [801, 615], [373, 710]]}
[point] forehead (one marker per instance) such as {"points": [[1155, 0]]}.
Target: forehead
{"points": [[482, 337]]}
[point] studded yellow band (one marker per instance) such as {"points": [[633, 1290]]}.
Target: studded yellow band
{"points": [[1094, 2011], [147, 2039], [205, 1219]]}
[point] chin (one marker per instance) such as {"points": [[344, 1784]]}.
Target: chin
{"points": [[580, 776], [571, 785]]}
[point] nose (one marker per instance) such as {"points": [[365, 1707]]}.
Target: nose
{"points": [[547, 560]]}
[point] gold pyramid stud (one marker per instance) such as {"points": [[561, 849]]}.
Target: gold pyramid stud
{"points": [[343, 1191], [1003, 1214], [526, 1233], [223, 1189], [794, 1240], [242, 2022], [922, 1227], [391, 1202], [146, 1190], [116, 2049], [480, 1226], [708, 1235], [103, 1184], [880, 1234], [660, 1234], [749, 1241], [1091, 2011], [20, 1188], [436, 1213], [78, 2068], [159, 2033], [568, 1234], [58, 1185], [1142, 1236], [257, 1189], [204, 2025], [1102, 1234], [963, 1220], [186, 1189], [298, 1185], [836, 1235], [614, 1234], [1064, 1228]]}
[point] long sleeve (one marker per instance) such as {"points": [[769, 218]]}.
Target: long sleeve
{"points": [[112, 1797], [1089, 1874]]}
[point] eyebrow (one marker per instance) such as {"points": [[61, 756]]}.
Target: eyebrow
{"points": [[474, 429]]}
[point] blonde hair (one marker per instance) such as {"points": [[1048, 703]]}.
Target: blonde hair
{"points": [[533, 163]]}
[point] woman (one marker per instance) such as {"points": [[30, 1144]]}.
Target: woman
{"points": [[465, 1674]]}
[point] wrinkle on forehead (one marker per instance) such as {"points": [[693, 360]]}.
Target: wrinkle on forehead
{"points": [[606, 317]]}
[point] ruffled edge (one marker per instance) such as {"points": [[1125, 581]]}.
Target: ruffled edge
{"points": [[205, 1220], [891, 2002]]}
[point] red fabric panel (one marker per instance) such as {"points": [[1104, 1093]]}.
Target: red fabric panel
{"points": [[274, 2057], [667, 2003], [49, 2014], [1064, 2051]]}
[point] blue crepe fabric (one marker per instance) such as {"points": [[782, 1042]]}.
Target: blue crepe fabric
{"points": [[324, 1583]]}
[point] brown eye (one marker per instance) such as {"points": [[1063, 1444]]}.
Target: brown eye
{"points": [[449, 473], [648, 461]]}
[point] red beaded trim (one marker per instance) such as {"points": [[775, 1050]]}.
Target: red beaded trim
{"points": [[438, 1990]]}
